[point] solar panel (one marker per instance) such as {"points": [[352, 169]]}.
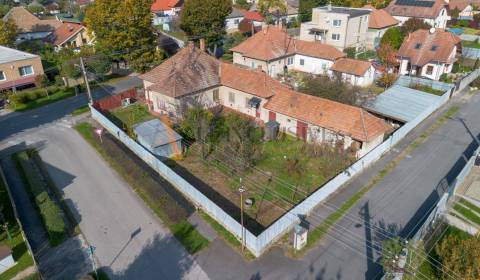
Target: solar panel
{"points": [[415, 3]]}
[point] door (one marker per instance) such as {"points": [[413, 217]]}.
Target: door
{"points": [[272, 116], [302, 130]]}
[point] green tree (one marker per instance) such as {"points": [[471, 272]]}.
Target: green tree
{"points": [[242, 4], [391, 248], [455, 12], [8, 34], [459, 257], [100, 65], [272, 6], [306, 6], [231, 41], [123, 31], [205, 19], [329, 88], [393, 37], [414, 24]]}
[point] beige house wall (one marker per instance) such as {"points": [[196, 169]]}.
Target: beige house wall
{"points": [[11, 72]]}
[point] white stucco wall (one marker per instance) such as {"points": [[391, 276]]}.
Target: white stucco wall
{"points": [[311, 64], [231, 24], [361, 81], [439, 22]]}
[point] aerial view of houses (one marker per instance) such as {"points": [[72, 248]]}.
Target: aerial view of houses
{"points": [[239, 139]]}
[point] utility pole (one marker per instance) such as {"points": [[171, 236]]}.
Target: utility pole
{"points": [[242, 190], [82, 64]]}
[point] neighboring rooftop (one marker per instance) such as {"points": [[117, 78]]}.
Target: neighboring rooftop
{"points": [[68, 18], [401, 103], [155, 133], [351, 12], [351, 66], [273, 43], [416, 8], [462, 4], [188, 71], [27, 22], [165, 5], [236, 13], [65, 32], [380, 19], [423, 46], [9, 55]]}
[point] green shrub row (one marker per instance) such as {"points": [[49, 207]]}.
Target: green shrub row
{"points": [[50, 213], [31, 95]]}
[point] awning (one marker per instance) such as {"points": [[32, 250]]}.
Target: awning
{"points": [[18, 83], [254, 102], [318, 30]]}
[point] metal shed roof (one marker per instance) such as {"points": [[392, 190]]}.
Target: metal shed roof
{"points": [[154, 134], [401, 103]]}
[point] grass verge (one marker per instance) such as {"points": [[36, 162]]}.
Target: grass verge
{"points": [[42, 101], [51, 214], [227, 236], [17, 244], [146, 187], [80, 110], [467, 213], [318, 232], [470, 205]]}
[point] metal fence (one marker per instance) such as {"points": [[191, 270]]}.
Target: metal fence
{"points": [[471, 52], [467, 80], [408, 81]]}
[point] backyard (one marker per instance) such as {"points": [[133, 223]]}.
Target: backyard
{"points": [[126, 117]]}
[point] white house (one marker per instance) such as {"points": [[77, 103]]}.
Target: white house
{"points": [[433, 12], [428, 53], [465, 8], [274, 51], [356, 72], [178, 82], [233, 20], [164, 10], [378, 23]]}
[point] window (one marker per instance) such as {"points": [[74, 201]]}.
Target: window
{"points": [[2, 76], [324, 66], [336, 22], [290, 61], [216, 95], [236, 21], [302, 61], [418, 46], [252, 64], [231, 97], [25, 70], [336, 37], [429, 70], [434, 48]]}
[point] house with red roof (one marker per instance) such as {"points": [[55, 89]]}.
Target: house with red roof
{"points": [[378, 23], [233, 20], [166, 8], [192, 76], [428, 53], [433, 12], [70, 35]]}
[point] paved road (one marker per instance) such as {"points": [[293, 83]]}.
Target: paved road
{"points": [[130, 241]]}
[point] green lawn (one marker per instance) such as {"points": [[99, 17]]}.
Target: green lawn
{"points": [[36, 184], [467, 213], [17, 243], [158, 199], [470, 205], [133, 114], [80, 110], [471, 44], [177, 34], [42, 101], [470, 31], [428, 89]]}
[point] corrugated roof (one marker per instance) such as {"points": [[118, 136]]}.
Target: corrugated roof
{"points": [[401, 103], [10, 55], [154, 134]]}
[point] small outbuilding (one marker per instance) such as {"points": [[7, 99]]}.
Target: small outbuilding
{"points": [[6, 258], [158, 138]]}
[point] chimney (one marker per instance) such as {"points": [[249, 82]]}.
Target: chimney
{"points": [[202, 44]]}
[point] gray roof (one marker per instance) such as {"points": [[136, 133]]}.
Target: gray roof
{"points": [[352, 12], [9, 55], [235, 13], [401, 103], [154, 134]]}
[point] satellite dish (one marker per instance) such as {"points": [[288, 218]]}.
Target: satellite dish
{"points": [[432, 30]]}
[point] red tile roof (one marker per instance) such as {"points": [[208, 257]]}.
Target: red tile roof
{"points": [[165, 5], [462, 4], [380, 19], [416, 11], [27, 22], [65, 32], [252, 15], [273, 43], [418, 46], [351, 66], [341, 118], [188, 71]]}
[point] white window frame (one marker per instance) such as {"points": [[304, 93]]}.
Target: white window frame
{"points": [[3, 77], [338, 21], [335, 35], [236, 21], [302, 61], [27, 66], [216, 95], [289, 60], [231, 97]]}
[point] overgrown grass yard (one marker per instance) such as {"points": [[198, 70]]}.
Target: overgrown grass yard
{"points": [[130, 115], [17, 244], [427, 89], [471, 44], [27, 100], [50, 212], [158, 194]]}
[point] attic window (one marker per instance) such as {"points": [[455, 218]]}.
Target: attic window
{"points": [[434, 48], [417, 46]]}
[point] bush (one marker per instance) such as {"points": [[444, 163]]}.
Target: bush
{"points": [[476, 83], [50, 212]]}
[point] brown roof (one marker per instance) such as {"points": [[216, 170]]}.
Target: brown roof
{"points": [[65, 32], [317, 49], [188, 71], [26, 22], [351, 66], [462, 4], [4, 252], [255, 82], [395, 9], [418, 46], [273, 43], [341, 118], [380, 19]]}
